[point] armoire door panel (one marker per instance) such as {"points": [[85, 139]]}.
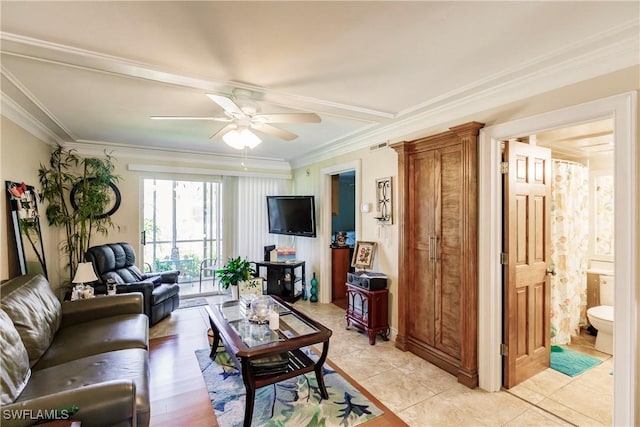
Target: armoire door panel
{"points": [[422, 189], [450, 303], [421, 301], [449, 209]]}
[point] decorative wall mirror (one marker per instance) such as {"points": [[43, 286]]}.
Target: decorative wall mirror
{"points": [[25, 224]]}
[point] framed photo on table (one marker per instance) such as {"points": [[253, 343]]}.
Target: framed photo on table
{"points": [[363, 255]]}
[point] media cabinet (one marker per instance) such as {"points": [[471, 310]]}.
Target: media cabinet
{"points": [[282, 278]]}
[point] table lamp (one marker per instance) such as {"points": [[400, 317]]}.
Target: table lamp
{"points": [[84, 274]]}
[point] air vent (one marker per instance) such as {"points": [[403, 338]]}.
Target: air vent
{"points": [[379, 146]]}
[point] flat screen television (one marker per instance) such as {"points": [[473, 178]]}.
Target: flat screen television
{"points": [[292, 215]]}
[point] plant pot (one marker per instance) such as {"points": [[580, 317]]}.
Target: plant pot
{"points": [[234, 292]]}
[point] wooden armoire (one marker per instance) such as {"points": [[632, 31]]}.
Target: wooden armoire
{"points": [[438, 219]]}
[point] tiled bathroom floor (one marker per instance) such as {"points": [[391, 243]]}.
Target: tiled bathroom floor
{"points": [[423, 395], [586, 399]]}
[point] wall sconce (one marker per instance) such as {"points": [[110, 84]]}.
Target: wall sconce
{"points": [[384, 200]]}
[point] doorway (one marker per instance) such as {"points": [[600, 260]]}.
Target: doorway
{"points": [[343, 225], [580, 242], [622, 109], [325, 225], [182, 231]]}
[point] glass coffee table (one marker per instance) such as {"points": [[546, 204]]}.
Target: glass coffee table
{"points": [[266, 356]]}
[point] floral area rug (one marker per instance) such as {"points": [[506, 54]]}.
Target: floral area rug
{"points": [[295, 402]]}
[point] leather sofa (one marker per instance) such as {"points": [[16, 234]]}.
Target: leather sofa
{"points": [[116, 261], [90, 353]]}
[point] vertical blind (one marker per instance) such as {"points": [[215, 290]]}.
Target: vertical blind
{"points": [[245, 214]]}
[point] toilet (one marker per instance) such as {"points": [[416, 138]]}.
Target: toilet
{"points": [[601, 317]]}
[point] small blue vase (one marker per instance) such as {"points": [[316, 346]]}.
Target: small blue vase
{"points": [[314, 289]]}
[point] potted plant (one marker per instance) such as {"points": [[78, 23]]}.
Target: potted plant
{"points": [[236, 270], [78, 192]]}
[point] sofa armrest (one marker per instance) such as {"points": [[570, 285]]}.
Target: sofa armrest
{"points": [[106, 403], [79, 311], [170, 276]]}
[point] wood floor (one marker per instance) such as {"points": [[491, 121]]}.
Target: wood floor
{"points": [[178, 393]]}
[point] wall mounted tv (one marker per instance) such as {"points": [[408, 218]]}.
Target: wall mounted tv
{"points": [[292, 215]]}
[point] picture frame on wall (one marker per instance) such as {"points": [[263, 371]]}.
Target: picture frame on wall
{"points": [[363, 255]]}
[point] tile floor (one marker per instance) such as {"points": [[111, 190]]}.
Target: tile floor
{"points": [[424, 395]]}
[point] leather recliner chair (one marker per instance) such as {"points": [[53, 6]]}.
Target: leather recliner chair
{"points": [[116, 261]]}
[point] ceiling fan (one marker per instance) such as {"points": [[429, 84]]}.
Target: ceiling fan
{"points": [[242, 113]]}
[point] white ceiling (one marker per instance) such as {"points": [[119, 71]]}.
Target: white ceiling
{"points": [[92, 73]]}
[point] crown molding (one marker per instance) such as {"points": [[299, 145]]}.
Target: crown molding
{"points": [[155, 169], [14, 112], [600, 54], [607, 52], [228, 162], [36, 107], [40, 50]]}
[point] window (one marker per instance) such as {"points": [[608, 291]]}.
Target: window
{"points": [[182, 227]]}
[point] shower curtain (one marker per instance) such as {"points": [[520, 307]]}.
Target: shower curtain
{"points": [[569, 242]]}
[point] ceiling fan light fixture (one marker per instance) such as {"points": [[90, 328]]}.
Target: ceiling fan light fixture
{"points": [[241, 138]]}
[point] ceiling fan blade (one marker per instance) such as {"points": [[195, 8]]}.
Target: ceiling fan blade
{"points": [[288, 118], [214, 119], [224, 130], [227, 104], [272, 130]]}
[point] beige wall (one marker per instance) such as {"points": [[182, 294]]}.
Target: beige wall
{"points": [[21, 156], [380, 163]]}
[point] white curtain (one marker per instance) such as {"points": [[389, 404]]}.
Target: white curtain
{"points": [[569, 245], [245, 221]]}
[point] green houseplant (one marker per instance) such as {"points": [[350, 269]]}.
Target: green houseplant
{"points": [[236, 270], [89, 180]]}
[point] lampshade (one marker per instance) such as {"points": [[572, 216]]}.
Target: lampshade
{"points": [[85, 273], [241, 138]]}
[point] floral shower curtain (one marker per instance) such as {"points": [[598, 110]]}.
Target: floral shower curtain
{"points": [[569, 243]]}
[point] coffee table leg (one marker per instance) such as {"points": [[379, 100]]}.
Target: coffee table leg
{"points": [[216, 341], [318, 369], [249, 385]]}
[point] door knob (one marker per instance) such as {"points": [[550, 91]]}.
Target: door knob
{"points": [[551, 271]]}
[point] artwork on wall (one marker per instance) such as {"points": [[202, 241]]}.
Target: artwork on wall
{"points": [[363, 255], [384, 207], [25, 221]]}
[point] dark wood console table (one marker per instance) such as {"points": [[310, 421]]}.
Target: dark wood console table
{"points": [[368, 310], [340, 266], [282, 278]]}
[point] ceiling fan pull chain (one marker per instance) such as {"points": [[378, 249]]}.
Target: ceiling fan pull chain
{"points": [[244, 157]]}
